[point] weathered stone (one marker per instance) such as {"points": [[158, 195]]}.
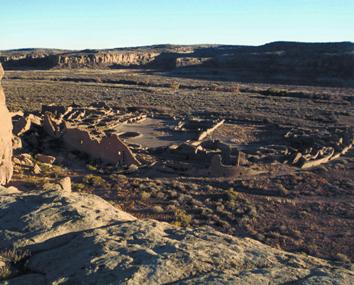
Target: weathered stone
{"points": [[16, 143], [82, 239], [6, 167], [36, 169], [65, 184], [25, 159], [35, 120], [45, 158]]}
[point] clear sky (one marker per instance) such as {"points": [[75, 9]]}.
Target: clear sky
{"points": [[79, 24]]}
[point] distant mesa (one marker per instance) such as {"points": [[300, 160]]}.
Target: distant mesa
{"points": [[277, 62]]}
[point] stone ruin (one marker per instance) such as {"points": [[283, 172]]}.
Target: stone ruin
{"points": [[106, 147], [116, 136], [201, 128], [210, 158], [308, 149], [93, 130], [6, 168], [90, 130]]}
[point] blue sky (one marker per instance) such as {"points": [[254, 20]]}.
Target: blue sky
{"points": [[79, 24]]}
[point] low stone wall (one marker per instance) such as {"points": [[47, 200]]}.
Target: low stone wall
{"points": [[108, 148]]}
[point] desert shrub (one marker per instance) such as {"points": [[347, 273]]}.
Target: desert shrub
{"points": [[94, 180], [175, 85], [182, 218], [157, 209], [231, 194], [342, 258], [281, 189], [13, 256], [275, 92], [214, 87], [235, 88], [55, 172], [78, 186], [144, 195], [98, 80], [5, 272], [160, 195], [91, 167]]}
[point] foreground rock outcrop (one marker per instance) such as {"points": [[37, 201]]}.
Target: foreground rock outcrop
{"points": [[82, 239], [6, 168]]}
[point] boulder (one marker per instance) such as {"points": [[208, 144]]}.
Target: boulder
{"points": [[24, 159], [6, 167], [16, 143], [45, 158], [36, 169], [65, 184]]}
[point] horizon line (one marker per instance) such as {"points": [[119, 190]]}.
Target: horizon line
{"points": [[170, 44]]}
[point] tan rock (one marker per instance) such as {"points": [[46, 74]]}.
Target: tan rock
{"points": [[24, 159], [6, 167], [17, 114], [45, 158], [65, 184], [79, 238], [35, 120], [36, 169], [16, 143]]}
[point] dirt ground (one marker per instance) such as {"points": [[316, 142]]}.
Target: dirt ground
{"points": [[309, 211]]}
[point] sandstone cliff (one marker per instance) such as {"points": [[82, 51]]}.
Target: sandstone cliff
{"points": [[76, 238], [108, 58]]}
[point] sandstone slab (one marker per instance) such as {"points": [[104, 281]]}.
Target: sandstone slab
{"points": [[82, 239]]}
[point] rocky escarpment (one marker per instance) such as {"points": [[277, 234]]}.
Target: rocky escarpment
{"points": [[5, 138], [72, 238], [84, 59], [299, 62], [278, 62], [107, 59]]}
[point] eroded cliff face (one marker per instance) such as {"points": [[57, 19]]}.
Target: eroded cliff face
{"points": [[279, 62], [108, 59], [79, 60], [5, 138]]}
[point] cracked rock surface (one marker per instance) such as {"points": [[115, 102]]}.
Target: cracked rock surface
{"points": [[81, 239]]}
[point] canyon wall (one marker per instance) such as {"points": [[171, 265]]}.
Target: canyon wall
{"points": [[107, 59], [278, 62]]}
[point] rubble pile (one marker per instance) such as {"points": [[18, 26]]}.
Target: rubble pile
{"points": [[312, 148]]}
